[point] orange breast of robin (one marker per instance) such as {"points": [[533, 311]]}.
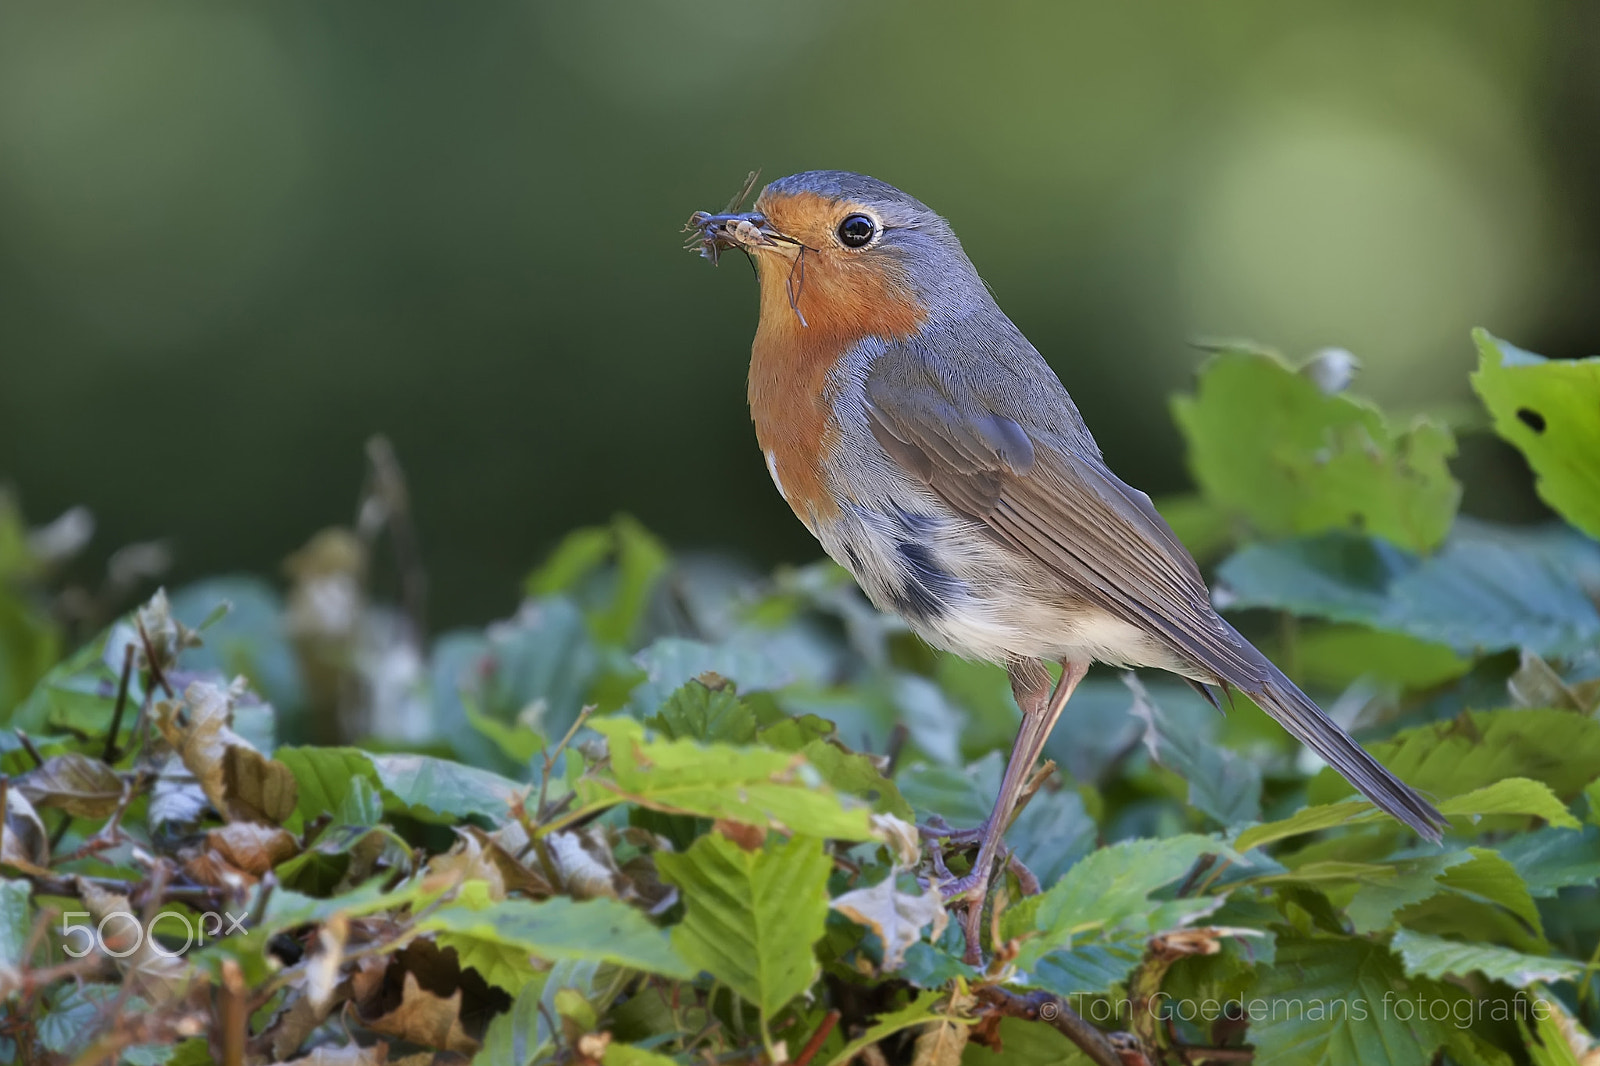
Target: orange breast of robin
{"points": [[815, 306]]}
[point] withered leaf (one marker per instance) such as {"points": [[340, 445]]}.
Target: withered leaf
{"points": [[258, 788], [75, 783], [897, 917], [23, 840], [424, 1018], [241, 783], [252, 847]]}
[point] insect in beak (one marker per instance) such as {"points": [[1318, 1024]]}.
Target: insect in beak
{"points": [[747, 231]]}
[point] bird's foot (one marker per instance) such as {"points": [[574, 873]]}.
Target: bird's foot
{"points": [[936, 828]]}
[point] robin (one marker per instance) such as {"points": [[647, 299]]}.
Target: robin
{"points": [[936, 456]]}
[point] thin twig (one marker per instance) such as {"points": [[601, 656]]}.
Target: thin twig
{"points": [[1041, 1006], [814, 1045], [156, 673], [27, 746], [111, 754]]}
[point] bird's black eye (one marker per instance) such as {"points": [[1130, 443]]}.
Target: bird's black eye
{"points": [[857, 230]]}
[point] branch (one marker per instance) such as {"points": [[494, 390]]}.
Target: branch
{"points": [[1041, 1006]]}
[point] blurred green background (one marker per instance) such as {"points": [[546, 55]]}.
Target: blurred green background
{"points": [[234, 242]]}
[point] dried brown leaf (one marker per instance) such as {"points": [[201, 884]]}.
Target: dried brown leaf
{"points": [[23, 840], [424, 1018], [252, 847], [81, 786]]}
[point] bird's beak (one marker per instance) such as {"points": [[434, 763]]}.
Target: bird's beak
{"points": [[748, 231]]}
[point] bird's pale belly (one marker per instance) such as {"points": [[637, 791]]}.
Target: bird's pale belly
{"points": [[963, 591]]}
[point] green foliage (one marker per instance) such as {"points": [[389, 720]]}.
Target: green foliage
{"points": [[1273, 448], [665, 814], [1551, 411], [752, 916]]}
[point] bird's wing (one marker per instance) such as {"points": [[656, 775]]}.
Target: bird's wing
{"points": [[1052, 501], [1048, 495]]}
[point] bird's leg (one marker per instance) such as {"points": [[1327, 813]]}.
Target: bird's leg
{"points": [[1041, 707]]}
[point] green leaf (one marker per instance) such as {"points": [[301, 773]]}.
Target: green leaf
{"points": [[1552, 859], [29, 646], [427, 786], [1478, 750], [16, 923], [1026, 1043], [696, 712], [918, 1012], [1341, 1002], [1267, 444], [1087, 931], [1334, 656], [751, 917], [520, 1036], [1550, 410], [628, 1055], [1308, 820], [615, 595], [1490, 879], [418, 785], [1222, 783], [1433, 956], [1486, 590], [1378, 899], [498, 937], [1512, 795], [752, 785], [672, 662]]}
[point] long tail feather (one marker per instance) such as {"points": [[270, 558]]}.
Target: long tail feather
{"points": [[1279, 697]]}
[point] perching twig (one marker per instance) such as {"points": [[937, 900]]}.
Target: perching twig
{"points": [[1043, 1007]]}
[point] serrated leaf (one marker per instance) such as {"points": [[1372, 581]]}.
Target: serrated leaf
{"points": [[1552, 859], [1433, 956], [1489, 878], [1478, 750], [1485, 590], [1268, 445], [1333, 1002], [696, 712], [1512, 795], [671, 662], [1222, 783], [499, 938], [756, 786], [1550, 410], [1091, 924], [1379, 899], [751, 917]]}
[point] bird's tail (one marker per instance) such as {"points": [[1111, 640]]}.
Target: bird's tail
{"points": [[1278, 696]]}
